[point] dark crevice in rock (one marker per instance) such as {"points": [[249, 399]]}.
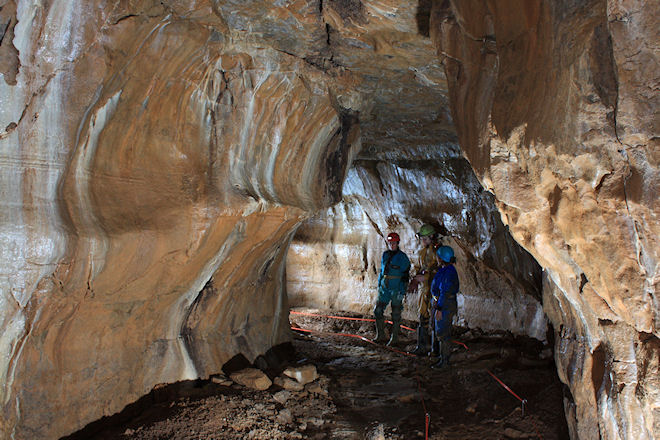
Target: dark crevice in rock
{"points": [[603, 67], [553, 200], [607, 85], [423, 17], [349, 10], [3, 30], [598, 368], [186, 332], [8, 129], [122, 18], [264, 272], [336, 161], [325, 64], [327, 33], [374, 225], [583, 281], [323, 61], [236, 363]]}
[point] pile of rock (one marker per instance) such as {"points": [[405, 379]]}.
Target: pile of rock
{"points": [[294, 378]]}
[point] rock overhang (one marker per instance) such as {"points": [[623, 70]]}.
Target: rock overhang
{"points": [[92, 236]]}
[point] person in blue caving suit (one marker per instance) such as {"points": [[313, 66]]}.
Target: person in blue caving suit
{"points": [[392, 286], [444, 289]]}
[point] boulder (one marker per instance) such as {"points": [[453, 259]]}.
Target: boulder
{"points": [[288, 384], [303, 374], [252, 378]]}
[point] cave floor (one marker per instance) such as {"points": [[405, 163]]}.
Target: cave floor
{"points": [[365, 392]]}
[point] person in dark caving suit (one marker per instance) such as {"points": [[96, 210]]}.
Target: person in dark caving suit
{"points": [[392, 286], [444, 289]]}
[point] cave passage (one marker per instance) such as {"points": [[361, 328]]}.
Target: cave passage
{"points": [[177, 176]]}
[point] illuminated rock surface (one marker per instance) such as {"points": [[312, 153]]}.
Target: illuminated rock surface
{"points": [[335, 257], [157, 159], [148, 155], [556, 107]]}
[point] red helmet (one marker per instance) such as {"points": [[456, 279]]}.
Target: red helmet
{"points": [[393, 236]]}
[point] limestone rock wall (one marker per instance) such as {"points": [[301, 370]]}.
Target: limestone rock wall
{"points": [[556, 106], [148, 153], [335, 256], [409, 171], [157, 158]]}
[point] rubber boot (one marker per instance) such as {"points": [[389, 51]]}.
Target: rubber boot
{"points": [[442, 363], [443, 360], [380, 331], [394, 337], [422, 343], [435, 346]]}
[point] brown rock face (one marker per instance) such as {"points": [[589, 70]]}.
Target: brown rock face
{"points": [[158, 157], [410, 171], [335, 256], [556, 107], [154, 169]]}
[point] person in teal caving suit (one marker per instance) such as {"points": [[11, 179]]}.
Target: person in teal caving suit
{"points": [[392, 286]]}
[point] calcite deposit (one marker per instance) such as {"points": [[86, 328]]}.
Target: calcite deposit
{"points": [[154, 169], [335, 257], [158, 157], [556, 106], [410, 171]]}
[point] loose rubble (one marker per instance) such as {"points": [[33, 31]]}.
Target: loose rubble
{"points": [[362, 391], [304, 374]]}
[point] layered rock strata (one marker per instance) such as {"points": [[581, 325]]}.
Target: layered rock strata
{"points": [[154, 169], [556, 107], [157, 158], [335, 257], [409, 171]]}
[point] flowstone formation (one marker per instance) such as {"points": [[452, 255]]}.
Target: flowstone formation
{"points": [[410, 171], [158, 157], [154, 168], [556, 106]]}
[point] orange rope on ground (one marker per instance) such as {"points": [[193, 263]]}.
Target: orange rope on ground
{"points": [[350, 335], [460, 343], [427, 415], [347, 318], [523, 401]]}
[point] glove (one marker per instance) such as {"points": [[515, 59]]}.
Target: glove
{"points": [[413, 285]]}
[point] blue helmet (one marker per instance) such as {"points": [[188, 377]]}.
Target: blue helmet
{"points": [[445, 253]]}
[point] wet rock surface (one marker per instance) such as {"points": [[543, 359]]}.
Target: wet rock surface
{"points": [[370, 392]]}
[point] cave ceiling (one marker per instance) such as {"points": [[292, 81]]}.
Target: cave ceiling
{"points": [[385, 47]]}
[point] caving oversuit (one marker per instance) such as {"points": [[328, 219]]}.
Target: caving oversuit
{"points": [[426, 266], [444, 289], [392, 285]]}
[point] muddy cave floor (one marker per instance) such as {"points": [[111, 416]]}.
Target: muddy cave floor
{"points": [[364, 391]]}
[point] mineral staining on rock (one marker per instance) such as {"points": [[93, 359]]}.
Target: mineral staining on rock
{"points": [[156, 170], [158, 157], [552, 107], [335, 256]]}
